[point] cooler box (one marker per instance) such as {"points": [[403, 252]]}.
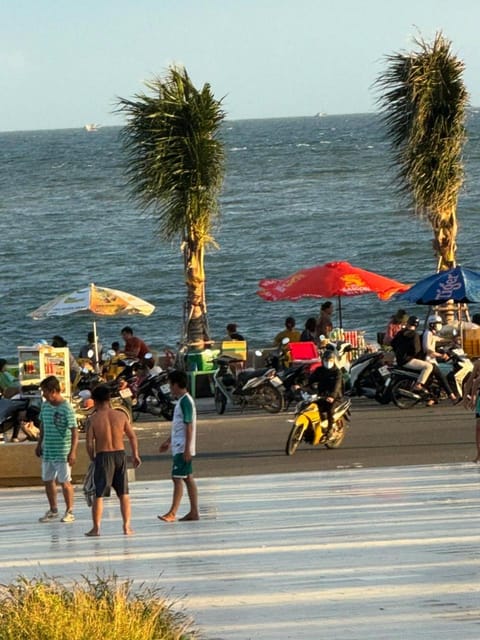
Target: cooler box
{"points": [[302, 352], [234, 349], [202, 360]]}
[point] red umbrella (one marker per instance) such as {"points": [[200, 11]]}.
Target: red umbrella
{"points": [[328, 280]]}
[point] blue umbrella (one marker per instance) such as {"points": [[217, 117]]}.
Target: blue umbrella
{"points": [[458, 284]]}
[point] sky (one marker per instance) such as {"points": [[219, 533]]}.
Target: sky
{"points": [[65, 63]]}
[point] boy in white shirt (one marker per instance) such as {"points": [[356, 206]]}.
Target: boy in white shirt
{"points": [[182, 442]]}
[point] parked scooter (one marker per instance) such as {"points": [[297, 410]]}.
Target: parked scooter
{"points": [[21, 412], [248, 387], [294, 382], [153, 396], [370, 377], [84, 407], [404, 380], [311, 426]]}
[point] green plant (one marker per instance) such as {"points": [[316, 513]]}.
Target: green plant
{"points": [[45, 609]]}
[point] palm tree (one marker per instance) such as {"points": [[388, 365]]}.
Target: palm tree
{"points": [[175, 171], [424, 106]]}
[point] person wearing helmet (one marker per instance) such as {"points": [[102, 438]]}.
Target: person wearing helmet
{"points": [[408, 351], [328, 382], [430, 340]]}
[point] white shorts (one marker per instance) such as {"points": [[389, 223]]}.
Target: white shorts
{"points": [[55, 470]]}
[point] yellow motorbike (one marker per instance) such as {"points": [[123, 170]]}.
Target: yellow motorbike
{"points": [[311, 426]]}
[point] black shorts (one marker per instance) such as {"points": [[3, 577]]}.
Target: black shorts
{"points": [[110, 471]]}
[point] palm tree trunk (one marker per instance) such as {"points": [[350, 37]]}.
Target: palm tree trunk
{"points": [[445, 229], [196, 308]]}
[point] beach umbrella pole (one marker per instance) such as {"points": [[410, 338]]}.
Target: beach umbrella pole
{"points": [[95, 339], [340, 322]]}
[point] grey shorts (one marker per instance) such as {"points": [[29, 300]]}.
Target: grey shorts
{"points": [[56, 470]]}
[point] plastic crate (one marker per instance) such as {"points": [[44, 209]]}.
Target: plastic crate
{"points": [[471, 342]]}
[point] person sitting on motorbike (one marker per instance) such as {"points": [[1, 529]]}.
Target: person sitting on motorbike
{"points": [[430, 340], [407, 347], [135, 347], [89, 347], [9, 385], [328, 382]]}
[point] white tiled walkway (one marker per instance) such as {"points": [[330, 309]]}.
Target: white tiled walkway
{"points": [[355, 553]]}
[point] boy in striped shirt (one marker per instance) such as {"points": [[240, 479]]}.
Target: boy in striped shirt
{"points": [[57, 447]]}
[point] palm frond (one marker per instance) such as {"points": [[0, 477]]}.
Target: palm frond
{"points": [[175, 159], [423, 103]]}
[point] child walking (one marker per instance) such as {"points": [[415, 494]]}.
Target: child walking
{"points": [[182, 442]]}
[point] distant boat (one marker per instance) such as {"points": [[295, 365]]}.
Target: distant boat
{"points": [[321, 114], [92, 126]]}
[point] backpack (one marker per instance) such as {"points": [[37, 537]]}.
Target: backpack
{"points": [[402, 346]]}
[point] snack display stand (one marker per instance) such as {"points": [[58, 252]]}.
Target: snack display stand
{"points": [[38, 362]]}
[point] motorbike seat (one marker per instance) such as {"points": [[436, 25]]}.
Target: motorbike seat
{"points": [[247, 374], [225, 360]]}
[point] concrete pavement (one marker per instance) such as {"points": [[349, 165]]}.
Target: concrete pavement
{"points": [[385, 553]]}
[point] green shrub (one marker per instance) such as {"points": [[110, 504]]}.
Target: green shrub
{"points": [[104, 608]]}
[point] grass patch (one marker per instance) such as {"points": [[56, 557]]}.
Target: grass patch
{"points": [[103, 608]]}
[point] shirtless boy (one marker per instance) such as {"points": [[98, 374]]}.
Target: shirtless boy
{"points": [[105, 445]]}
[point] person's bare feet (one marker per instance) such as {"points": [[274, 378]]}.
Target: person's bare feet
{"points": [[189, 516], [93, 533], [128, 531], [168, 517]]}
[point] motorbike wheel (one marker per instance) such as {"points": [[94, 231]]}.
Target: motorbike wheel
{"points": [[403, 401], [465, 381], [220, 402], [383, 398], [337, 436], [294, 439], [167, 411], [271, 398]]}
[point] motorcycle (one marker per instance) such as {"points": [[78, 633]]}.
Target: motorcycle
{"points": [[404, 380], [370, 377], [23, 411], [294, 381], [84, 407], [257, 387], [311, 426], [153, 396]]}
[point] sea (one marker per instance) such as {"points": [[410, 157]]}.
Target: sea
{"points": [[297, 192]]}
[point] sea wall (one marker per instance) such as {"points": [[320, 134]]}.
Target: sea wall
{"points": [[19, 466]]}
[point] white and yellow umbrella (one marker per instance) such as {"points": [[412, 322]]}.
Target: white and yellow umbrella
{"points": [[100, 301]]}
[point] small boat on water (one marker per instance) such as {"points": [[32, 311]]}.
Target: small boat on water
{"points": [[92, 127]]}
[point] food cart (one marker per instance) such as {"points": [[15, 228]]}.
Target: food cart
{"points": [[37, 362]]}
